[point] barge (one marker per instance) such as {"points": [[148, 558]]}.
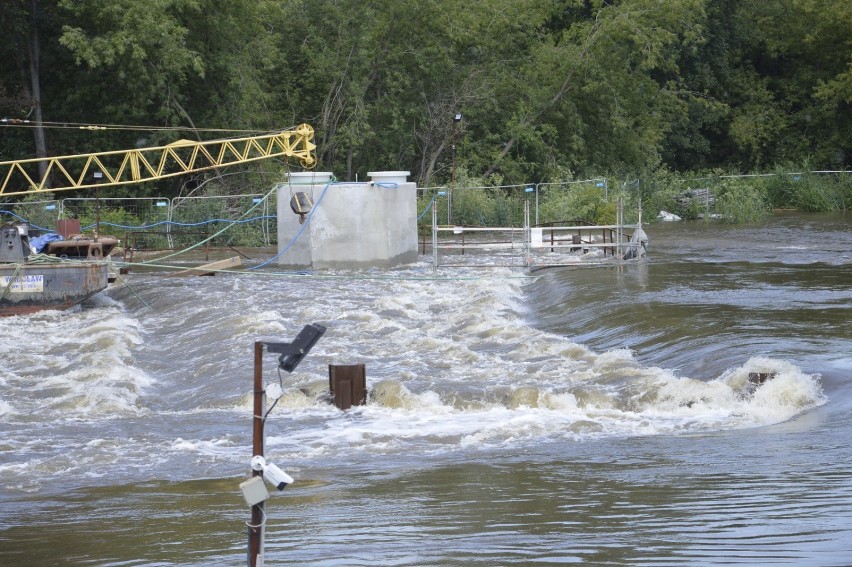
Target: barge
{"points": [[60, 274]]}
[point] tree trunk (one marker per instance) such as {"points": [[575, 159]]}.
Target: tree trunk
{"points": [[35, 87]]}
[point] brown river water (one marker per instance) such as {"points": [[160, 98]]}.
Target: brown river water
{"points": [[595, 415]]}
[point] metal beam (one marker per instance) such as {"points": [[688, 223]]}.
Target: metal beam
{"points": [[123, 167]]}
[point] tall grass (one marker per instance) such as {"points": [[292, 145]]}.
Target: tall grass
{"points": [[739, 202]]}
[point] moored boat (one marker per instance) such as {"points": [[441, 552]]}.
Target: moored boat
{"points": [[65, 272]]}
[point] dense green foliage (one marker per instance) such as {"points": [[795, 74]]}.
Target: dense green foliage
{"points": [[550, 90]]}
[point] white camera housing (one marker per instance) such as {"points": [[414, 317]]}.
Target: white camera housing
{"points": [[271, 474], [276, 477]]}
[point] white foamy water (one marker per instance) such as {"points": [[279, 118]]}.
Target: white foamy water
{"points": [[453, 364], [594, 415], [72, 365]]}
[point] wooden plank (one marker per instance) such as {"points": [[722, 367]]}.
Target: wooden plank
{"points": [[211, 268]]}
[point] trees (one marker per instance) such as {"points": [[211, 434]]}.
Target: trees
{"points": [[777, 79], [142, 49], [22, 22], [804, 53], [548, 89]]}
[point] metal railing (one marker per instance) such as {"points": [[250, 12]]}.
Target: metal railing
{"points": [[527, 246]]}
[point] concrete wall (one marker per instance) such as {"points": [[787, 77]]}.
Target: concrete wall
{"points": [[353, 225]]}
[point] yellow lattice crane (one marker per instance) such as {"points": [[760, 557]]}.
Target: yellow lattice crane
{"points": [[123, 167]]}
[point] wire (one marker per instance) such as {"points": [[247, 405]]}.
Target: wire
{"points": [[214, 235], [262, 522], [23, 219], [299, 233], [145, 226], [124, 281], [426, 210], [275, 403], [281, 384], [89, 126], [175, 223], [314, 275], [11, 281]]}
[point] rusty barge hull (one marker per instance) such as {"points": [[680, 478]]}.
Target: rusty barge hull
{"points": [[39, 287]]}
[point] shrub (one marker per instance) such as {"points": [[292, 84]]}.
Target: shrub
{"points": [[740, 202], [585, 202]]}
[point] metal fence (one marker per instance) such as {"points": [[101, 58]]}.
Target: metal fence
{"points": [[537, 246], [42, 215], [504, 205], [157, 223], [237, 220], [250, 220]]}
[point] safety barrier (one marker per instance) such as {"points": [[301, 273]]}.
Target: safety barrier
{"points": [[533, 247], [156, 223]]}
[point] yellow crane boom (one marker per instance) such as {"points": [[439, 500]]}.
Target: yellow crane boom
{"points": [[123, 167]]}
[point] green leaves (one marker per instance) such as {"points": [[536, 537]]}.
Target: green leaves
{"points": [[545, 87], [142, 47]]}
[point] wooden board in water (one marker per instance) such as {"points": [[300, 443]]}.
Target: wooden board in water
{"points": [[211, 268]]}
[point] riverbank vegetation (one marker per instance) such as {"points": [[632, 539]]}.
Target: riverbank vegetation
{"points": [[658, 97], [712, 196]]}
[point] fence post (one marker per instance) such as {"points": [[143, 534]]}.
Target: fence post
{"points": [[435, 235]]}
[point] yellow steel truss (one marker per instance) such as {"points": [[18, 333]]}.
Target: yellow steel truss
{"points": [[123, 167]]}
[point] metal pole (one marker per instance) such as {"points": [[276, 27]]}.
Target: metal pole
{"points": [[257, 512], [170, 217], [536, 202], [527, 235], [619, 212], [434, 235], [452, 178], [97, 213], [98, 178], [457, 118]]}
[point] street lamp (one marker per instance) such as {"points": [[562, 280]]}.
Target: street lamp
{"points": [[456, 119], [255, 494]]}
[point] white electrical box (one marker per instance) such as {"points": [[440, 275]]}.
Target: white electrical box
{"points": [[254, 490]]}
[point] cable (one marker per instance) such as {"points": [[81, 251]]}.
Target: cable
{"points": [[175, 223], [8, 286], [262, 522], [89, 126], [299, 233], [145, 226], [314, 275], [275, 403], [426, 210], [124, 281], [214, 235], [23, 219]]}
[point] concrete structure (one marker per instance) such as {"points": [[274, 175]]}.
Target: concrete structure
{"points": [[350, 225]]}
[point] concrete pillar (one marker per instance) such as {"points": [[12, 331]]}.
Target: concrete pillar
{"points": [[353, 225], [298, 255]]}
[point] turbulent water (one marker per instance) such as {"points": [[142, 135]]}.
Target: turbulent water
{"points": [[591, 414]]}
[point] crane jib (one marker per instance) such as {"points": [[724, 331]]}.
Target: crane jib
{"points": [[122, 167]]}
